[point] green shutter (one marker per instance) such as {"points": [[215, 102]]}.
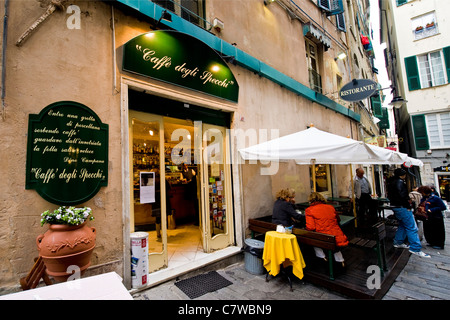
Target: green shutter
{"points": [[376, 106], [412, 73], [446, 51], [420, 132], [384, 120], [400, 2]]}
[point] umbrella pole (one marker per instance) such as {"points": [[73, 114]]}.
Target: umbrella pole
{"points": [[373, 181], [314, 174], [353, 196]]}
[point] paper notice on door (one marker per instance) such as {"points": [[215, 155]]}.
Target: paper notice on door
{"points": [[215, 169], [147, 184]]}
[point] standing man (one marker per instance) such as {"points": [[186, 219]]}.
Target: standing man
{"points": [[363, 192], [407, 228]]}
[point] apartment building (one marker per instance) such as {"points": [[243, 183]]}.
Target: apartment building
{"points": [[418, 60]]}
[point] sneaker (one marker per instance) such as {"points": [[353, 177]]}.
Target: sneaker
{"points": [[401, 246], [420, 254]]}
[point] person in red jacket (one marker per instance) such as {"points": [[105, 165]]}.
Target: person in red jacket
{"points": [[322, 217]]}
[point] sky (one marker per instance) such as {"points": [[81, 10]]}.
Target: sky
{"points": [[383, 79], [379, 62]]}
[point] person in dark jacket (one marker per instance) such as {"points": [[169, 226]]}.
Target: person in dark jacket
{"points": [[407, 229], [284, 211], [433, 227]]}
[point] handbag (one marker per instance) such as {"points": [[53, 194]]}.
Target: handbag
{"points": [[420, 213]]}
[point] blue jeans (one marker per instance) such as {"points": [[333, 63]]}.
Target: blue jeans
{"points": [[407, 229]]}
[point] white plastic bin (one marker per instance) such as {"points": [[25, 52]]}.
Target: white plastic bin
{"points": [[139, 259]]}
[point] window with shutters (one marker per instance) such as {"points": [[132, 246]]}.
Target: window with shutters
{"points": [[340, 22], [324, 4], [431, 69], [438, 129], [428, 70], [376, 106], [331, 7], [420, 132]]}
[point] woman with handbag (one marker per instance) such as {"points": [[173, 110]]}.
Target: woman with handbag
{"points": [[431, 208]]}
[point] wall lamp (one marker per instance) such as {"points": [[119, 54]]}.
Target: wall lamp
{"points": [[397, 102], [164, 16], [267, 2], [341, 56]]}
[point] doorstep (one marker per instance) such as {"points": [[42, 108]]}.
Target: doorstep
{"points": [[169, 273]]}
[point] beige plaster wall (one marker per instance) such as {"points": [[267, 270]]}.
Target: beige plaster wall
{"points": [[55, 64]]}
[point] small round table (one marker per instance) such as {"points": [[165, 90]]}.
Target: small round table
{"points": [[282, 249]]}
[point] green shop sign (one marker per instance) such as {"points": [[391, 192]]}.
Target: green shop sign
{"points": [[180, 59], [67, 153]]}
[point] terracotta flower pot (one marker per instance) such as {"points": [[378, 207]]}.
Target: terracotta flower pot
{"points": [[63, 246]]}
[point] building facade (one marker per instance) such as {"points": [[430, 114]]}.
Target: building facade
{"points": [[418, 58], [172, 83]]}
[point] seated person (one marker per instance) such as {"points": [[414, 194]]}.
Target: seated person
{"points": [[284, 211], [322, 217]]}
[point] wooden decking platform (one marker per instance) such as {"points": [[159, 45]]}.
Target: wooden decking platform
{"points": [[352, 280]]}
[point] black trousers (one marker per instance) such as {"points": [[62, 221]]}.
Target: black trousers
{"points": [[367, 208], [434, 231]]}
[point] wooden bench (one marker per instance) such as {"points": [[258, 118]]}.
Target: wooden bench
{"points": [[374, 241], [34, 276], [312, 238]]}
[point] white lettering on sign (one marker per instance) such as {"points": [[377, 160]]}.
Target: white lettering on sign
{"points": [[158, 62], [185, 71], [358, 90]]}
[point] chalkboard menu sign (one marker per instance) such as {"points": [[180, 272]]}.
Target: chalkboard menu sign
{"points": [[67, 153]]}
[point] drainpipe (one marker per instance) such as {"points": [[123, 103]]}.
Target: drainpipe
{"points": [[5, 38]]}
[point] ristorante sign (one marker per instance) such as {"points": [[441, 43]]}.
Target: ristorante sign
{"points": [[67, 153], [180, 59], [358, 89]]}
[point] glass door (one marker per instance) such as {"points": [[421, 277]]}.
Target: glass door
{"points": [[217, 214], [147, 175]]}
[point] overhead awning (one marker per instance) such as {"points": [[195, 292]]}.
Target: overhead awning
{"points": [[310, 31]]}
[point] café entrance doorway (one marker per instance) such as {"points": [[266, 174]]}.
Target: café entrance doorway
{"points": [[181, 187]]}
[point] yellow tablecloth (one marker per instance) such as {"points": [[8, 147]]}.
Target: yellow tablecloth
{"points": [[282, 248]]}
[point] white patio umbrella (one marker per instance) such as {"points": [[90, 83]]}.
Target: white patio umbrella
{"points": [[313, 146]]}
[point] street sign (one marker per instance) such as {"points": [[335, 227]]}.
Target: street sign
{"points": [[358, 89]]}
